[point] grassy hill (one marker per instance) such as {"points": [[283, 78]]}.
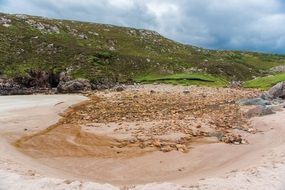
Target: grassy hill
{"points": [[108, 54]]}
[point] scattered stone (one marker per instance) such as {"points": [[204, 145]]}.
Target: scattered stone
{"points": [[157, 143], [93, 33], [82, 36], [218, 134], [6, 25], [232, 139], [43, 27], [112, 48], [120, 88], [251, 130], [5, 22], [148, 33], [186, 92], [181, 147], [244, 141], [21, 16], [166, 148], [235, 84]]}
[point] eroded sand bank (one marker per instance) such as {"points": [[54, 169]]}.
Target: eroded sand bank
{"points": [[209, 166]]}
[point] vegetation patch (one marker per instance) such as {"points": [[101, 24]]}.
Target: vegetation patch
{"points": [[185, 79], [111, 54], [265, 83]]}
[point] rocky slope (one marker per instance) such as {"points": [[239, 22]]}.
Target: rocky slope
{"points": [[39, 52]]}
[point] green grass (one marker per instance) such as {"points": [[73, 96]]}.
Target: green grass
{"points": [[199, 79], [265, 83], [134, 54]]}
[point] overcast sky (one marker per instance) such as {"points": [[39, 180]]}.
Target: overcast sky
{"points": [[257, 25]]}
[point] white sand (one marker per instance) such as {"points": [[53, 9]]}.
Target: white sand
{"points": [[259, 165]]}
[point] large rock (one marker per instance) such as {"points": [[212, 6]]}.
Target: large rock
{"points": [[277, 91], [254, 101], [74, 86], [9, 87], [256, 111]]}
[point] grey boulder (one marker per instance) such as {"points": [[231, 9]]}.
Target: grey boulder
{"points": [[254, 101], [257, 111], [277, 91]]}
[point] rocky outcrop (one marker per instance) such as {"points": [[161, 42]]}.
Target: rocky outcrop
{"points": [[43, 27], [277, 91], [38, 79], [74, 86], [10, 87], [268, 103], [258, 110], [278, 69]]}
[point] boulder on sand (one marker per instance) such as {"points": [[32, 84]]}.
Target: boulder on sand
{"points": [[258, 110], [74, 86], [277, 91]]}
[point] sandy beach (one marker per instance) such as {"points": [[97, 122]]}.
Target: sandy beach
{"points": [[257, 165]]}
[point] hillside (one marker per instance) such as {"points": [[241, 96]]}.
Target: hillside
{"points": [[106, 54]]}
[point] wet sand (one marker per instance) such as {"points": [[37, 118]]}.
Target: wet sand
{"points": [[204, 164]]}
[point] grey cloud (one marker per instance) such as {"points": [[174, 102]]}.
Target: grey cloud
{"points": [[256, 25]]}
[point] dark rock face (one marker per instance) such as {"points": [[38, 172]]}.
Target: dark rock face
{"points": [[43, 82], [10, 87], [39, 79], [74, 86], [33, 82]]}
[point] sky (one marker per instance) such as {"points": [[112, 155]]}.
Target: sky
{"points": [[254, 25]]}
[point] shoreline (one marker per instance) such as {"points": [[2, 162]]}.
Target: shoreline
{"points": [[48, 110]]}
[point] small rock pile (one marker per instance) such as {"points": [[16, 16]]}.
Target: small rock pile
{"points": [[268, 103], [277, 91], [43, 27], [5, 22], [278, 69], [76, 33], [156, 116]]}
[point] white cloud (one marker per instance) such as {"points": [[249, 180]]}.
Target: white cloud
{"points": [[122, 4], [161, 9]]}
